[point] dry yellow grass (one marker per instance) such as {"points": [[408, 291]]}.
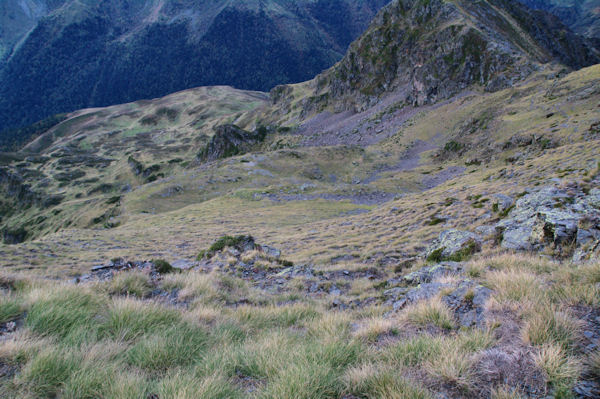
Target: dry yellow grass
{"points": [[559, 367], [431, 312]]}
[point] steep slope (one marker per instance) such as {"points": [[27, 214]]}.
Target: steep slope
{"points": [[17, 18], [90, 53], [425, 51], [583, 16], [178, 248], [99, 153]]}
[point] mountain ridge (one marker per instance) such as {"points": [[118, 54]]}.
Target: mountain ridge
{"points": [[507, 42]]}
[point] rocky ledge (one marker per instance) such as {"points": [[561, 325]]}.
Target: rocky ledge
{"points": [[564, 221]]}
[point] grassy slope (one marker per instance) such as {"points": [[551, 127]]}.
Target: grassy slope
{"points": [[186, 210], [162, 133], [84, 342], [233, 339]]}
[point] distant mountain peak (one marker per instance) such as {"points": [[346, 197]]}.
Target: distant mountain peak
{"points": [[431, 50]]}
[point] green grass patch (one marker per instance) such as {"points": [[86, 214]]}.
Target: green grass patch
{"points": [[127, 320], [10, 308], [69, 311], [178, 346], [45, 374]]}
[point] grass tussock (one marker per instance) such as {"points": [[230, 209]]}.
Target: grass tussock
{"points": [[593, 364], [87, 342], [505, 392], [372, 381], [65, 312], [183, 385], [561, 370], [46, 373], [10, 308], [373, 328], [174, 347], [453, 365], [136, 283], [128, 319], [514, 285], [210, 289], [549, 325], [431, 312]]}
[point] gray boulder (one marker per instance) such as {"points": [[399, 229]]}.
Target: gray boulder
{"points": [[566, 220], [454, 245], [430, 273]]}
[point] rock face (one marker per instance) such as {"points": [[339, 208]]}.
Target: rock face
{"points": [[466, 298], [566, 220], [454, 245], [230, 140], [430, 50]]}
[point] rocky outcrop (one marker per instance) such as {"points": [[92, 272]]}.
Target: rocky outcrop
{"points": [[430, 50], [454, 245], [15, 187], [566, 220], [230, 140], [464, 297]]}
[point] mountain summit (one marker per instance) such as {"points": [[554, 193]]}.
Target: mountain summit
{"points": [[430, 50]]}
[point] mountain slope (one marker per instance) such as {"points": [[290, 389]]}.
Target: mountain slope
{"points": [[426, 51], [583, 16], [89, 53], [17, 18], [179, 248], [414, 58]]}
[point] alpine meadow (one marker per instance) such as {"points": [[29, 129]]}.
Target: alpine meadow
{"points": [[276, 199]]}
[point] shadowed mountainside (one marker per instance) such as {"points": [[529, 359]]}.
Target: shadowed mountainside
{"points": [[88, 53], [583, 16]]}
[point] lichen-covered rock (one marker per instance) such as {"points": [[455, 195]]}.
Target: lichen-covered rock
{"points": [[430, 273], [466, 298], [503, 202], [230, 140], [454, 245], [270, 251], [567, 220], [468, 303]]}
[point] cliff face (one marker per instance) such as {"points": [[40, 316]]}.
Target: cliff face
{"points": [[430, 50]]}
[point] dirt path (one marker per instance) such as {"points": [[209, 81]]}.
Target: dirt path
{"points": [[408, 161]]}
